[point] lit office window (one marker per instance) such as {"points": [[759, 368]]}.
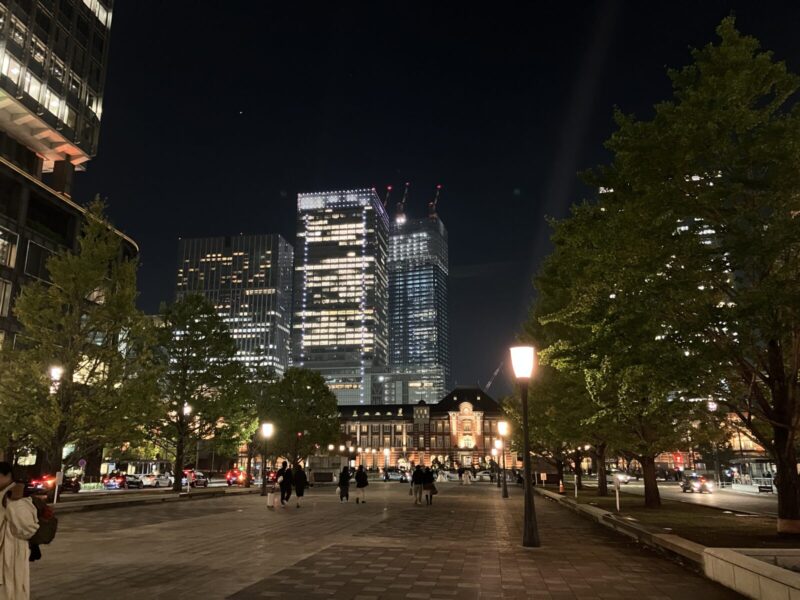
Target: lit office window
{"points": [[38, 51], [11, 69], [8, 247], [32, 86], [51, 101]]}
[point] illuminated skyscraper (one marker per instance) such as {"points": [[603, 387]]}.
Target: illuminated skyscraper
{"points": [[248, 278], [419, 356], [53, 58], [341, 292]]}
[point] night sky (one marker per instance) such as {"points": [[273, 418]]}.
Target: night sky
{"points": [[217, 114]]}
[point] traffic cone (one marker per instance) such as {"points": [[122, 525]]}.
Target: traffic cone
{"points": [[561, 486]]}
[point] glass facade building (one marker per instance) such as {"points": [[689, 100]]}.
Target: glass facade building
{"points": [[341, 292], [248, 278], [419, 356], [53, 57]]}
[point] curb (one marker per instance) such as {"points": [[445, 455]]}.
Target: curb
{"points": [[673, 545], [78, 506]]}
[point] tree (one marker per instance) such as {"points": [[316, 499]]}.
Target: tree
{"points": [[304, 413], [710, 192], [83, 328], [202, 385]]}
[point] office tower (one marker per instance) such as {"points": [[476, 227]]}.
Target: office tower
{"points": [[248, 279], [419, 357], [52, 68], [341, 292]]}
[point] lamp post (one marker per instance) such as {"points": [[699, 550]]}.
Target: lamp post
{"points": [[386, 464], [522, 359], [187, 410], [502, 429], [267, 430]]}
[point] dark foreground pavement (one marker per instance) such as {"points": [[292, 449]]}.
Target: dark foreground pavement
{"points": [[465, 546]]}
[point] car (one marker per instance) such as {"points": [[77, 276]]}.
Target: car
{"points": [[484, 476], [397, 475], [121, 481], [196, 478], [697, 483], [155, 480], [46, 485], [617, 476], [237, 477]]}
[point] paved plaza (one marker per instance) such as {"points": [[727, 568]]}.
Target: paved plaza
{"points": [[465, 546]]}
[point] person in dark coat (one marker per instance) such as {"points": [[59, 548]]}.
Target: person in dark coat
{"points": [[361, 485], [416, 484], [300, 482], [284, 476], [428, 485], [344, 485]]}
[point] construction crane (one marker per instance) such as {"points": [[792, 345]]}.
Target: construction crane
{"points": [[400, 211], [388, 193], [432, 204], [491, 379]]}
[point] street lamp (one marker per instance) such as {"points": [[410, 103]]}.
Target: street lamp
{"points": [[267, 429], [522, 359], [502, 429]]}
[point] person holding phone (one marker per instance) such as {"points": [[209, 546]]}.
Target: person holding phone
{"points": [[18, 523]]}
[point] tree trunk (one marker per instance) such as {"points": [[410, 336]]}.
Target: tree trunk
{"points": [[652, 499], [93, 461], [600, 467], [180, 451], [578, 473], [249, 468], [787, 482], [38, 466]]}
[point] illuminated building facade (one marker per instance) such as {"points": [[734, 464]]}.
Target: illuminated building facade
{"points": [[341, 292], [53, 58], [419, 356], [248, 279], [460, 430]]}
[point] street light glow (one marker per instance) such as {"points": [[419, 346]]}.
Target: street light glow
{"points": [[267, 429], [330, 447], [341, 448], [498, 444], [502, 428], [56, 372], [187, 410], [386, 452], [522, 359]]}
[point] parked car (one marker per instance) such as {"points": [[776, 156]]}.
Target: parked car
{"points": [[46, 485], [697, 483], [614, 476], [155, 480], [196, 478], [120, 481], [484, 475], [397, 475]]}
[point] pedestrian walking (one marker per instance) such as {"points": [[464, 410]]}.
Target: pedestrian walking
{"points": [[362, 481], [428, 485], [417, 480], [285, 482], [344, 485], [300, 482], [18, 523], [460, 475]]}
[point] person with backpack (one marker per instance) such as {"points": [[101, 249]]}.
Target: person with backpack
{"points": [[284, 477], [361, 485], [18, 524]]}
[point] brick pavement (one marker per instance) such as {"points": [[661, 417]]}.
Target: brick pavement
{"points": [[465, 546]]}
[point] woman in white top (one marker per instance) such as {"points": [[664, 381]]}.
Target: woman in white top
{"points": [[18, 523]]}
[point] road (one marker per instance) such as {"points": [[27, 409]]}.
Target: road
{"points": [[466, 545], [765, 504]]}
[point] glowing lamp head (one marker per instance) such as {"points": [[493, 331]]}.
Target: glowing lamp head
{"points": [[341, 448], [494, 452], [386, 452], [267, 430], [56, 372], [502, 428], [330, 447], [498, 444], [522, 359]]}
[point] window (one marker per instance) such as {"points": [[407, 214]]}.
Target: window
{"points": [[398, 429], [32, 86], [11, 69], [74, 84], [57, 70], [18, 32], [51, 101], [38, 51], [421, 442], [69, 117], [36, 261], [8, 247], [5, 297]]}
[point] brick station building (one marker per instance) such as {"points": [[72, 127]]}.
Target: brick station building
{"points": [[460, 430]]}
